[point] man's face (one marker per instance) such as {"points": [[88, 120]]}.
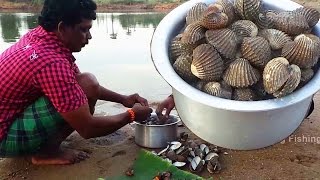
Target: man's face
{"points": [[77, 36]]}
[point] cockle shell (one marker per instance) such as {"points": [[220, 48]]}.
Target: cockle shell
{"points": [[193, 34], [214, 17], [183, 67], [256, 50], [175, 48], [289, 22], [312, 15], [275, 74], [207, 63], [224, 41], [240, 74], [303, 51], [228, 9], [216, 89], [276, 38], [195, 13], [244, 94], [292, 82], [306, 75], [248, 9], [263, 21], [244, 28]]}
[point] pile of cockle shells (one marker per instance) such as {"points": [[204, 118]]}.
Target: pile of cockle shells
{"points": [[196, 156], [242, 51]]}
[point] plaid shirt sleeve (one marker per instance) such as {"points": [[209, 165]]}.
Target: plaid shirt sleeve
{"points": [[59, 84]]}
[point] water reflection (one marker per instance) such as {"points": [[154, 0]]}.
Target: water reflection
{"points": [[118, 54]]}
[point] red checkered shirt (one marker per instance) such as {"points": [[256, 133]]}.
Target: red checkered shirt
{"points": [[38, 64]]}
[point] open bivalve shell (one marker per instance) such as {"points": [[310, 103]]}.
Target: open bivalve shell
{"points": [[207, 63], [240, 74]]}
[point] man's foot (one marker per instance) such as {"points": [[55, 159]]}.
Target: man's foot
{"points": [[62, 157]]}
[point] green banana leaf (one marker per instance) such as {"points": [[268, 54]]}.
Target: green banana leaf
{"points": [[148, 165]]}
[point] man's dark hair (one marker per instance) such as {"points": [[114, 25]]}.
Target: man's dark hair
{"points": [[70, 12]]}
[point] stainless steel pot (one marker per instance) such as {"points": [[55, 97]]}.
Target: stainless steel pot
{"points": [[156, 136], [227, 123]]}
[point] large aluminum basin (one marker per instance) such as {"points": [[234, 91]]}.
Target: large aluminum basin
{"points": [[227, 123]]}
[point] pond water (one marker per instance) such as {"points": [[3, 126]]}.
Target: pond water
{"points": [[118, 54]]}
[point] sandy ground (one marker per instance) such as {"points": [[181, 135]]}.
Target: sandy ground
{"points": [[113, 154]]}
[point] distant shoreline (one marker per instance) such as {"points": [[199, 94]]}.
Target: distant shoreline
{"points": [[138, 7]]}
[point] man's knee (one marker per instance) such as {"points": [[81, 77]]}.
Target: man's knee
{"points": [[89, 84]]}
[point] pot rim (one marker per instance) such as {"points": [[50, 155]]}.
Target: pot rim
{"points": [[163, 125], [173, 22]]}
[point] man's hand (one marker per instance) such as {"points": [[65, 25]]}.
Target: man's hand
{"points": [[141, 112], [167, 104], [130, 100]]}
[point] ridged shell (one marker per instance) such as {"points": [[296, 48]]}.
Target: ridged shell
{"points": [[195, 13], [276, 38], [183, 67], [175, 48], [244, 94], [256, 50], [199, 84], [207, 63], [216, 89], [303, 51], [275, 74], [306, 75], [290, 23], [240, 74], [312, 15], [292, 83], [244, 28], [263, 21], [223, 40], [228, 9], [193, 34], [248, 9], [214, 18]]}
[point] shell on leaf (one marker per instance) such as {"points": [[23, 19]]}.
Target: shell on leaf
{"points": [[195, 13], [193, 34], [244, 94], [216, 89], [207, 63], [276, 38], [183, 67], [292, 82], [275, 74], [228, 9], [214, 17], [244, 28], [312, 15], [223, 40], [256, 50], [303, 51], [248, 9], [289, 22], [240, 74]]}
